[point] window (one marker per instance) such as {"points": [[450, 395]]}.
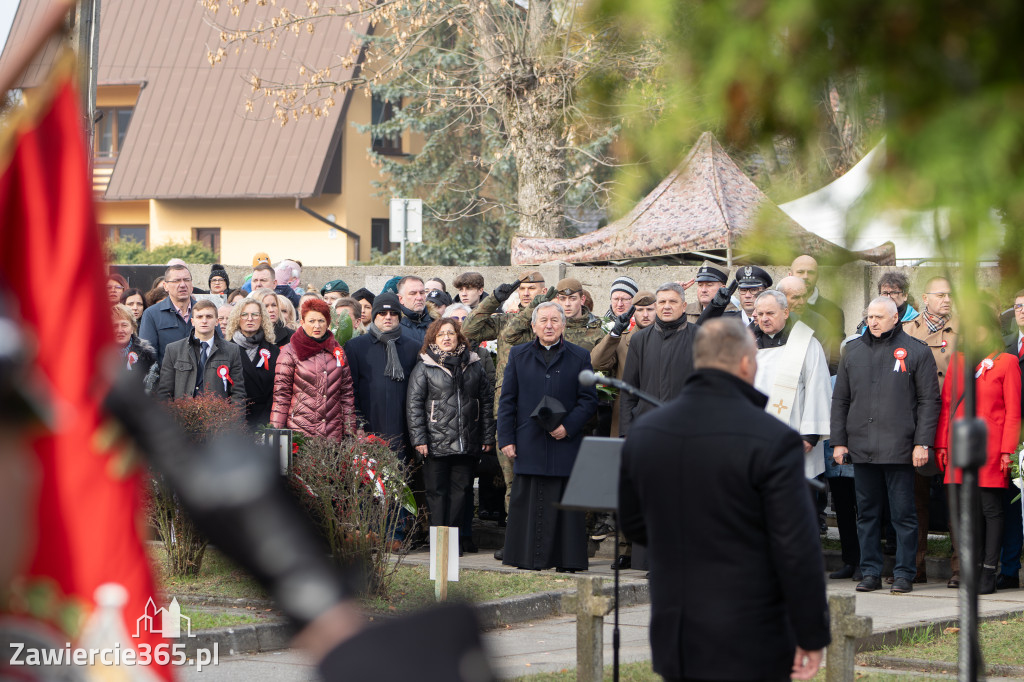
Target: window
{"points": [[380, 234], [382, 112], [208, 237], [110, 130], [136, 233]]}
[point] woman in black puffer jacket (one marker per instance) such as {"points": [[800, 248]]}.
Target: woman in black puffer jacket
{"points": [[450, 418]]}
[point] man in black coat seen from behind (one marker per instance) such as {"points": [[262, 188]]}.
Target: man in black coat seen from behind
{"points": [[737, 580]]}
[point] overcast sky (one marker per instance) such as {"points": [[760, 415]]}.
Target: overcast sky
{"points": [[7, 10]]}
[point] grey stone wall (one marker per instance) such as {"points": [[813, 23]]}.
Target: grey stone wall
{"points": [[852, 286]]}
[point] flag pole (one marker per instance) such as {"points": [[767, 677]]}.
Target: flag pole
{"points": [[54, 21], [85, 37]]}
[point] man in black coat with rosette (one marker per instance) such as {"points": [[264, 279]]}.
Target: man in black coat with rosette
{"points": [[885, 409]]}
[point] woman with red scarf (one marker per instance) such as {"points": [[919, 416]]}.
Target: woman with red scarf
{"points": [[997, 386], [312, 381]]}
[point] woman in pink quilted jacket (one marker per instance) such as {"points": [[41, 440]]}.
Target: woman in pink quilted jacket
{"points": [[312, 382]]}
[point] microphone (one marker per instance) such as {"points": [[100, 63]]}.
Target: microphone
{"points": [[590, 378]]}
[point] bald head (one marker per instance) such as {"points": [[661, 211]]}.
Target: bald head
{"points": [[725, 344], [795, 290], [806, 268]]}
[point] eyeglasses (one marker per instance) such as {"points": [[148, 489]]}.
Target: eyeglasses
{"points": [[250, 316], [174, 282], [445, 334], [939, 294], [1018, 306], [891, 293], [115, 287]]}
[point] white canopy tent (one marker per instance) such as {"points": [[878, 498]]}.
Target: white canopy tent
{"points": [[829, 212]]}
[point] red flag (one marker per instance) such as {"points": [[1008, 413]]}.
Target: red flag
{"points": [[89, 516]]}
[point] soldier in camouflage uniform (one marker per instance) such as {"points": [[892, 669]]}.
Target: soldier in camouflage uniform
{"points": [[486, 323], [582, 327]]}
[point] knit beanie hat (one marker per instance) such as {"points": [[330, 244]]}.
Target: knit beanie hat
{"points": [[363, 294], [385, 302], [391, 286], [625, 284], [217, 270]]}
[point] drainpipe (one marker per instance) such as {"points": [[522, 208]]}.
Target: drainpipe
{"points": [[299, 205]]}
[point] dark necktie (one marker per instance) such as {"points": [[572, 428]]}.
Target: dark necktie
{"points": [[203, 355]]}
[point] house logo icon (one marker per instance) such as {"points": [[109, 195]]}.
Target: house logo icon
{"points": [[161, 621]]}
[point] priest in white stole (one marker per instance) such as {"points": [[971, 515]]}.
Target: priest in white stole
{"points": [[793, 372]]}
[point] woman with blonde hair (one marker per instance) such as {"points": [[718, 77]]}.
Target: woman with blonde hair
{"points": [[250, 328], [271, 303], [287, 312], [138, 357]]}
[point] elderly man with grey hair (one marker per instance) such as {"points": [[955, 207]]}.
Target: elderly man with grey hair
{"points": [[660, 357], [541, 418], [885, 409]]}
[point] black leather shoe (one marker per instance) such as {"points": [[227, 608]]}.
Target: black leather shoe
{"points": [[869, 584], [902, 586], [469, 546], [843, 573], [1007, 582], [622, 562], [954, 581], [499, 554]]}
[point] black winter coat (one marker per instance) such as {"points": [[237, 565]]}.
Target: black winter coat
{"points": [[881, 410], [451, 419], [658, 362], [141, 362], [380, 401], [259, 384], [714, 487]]}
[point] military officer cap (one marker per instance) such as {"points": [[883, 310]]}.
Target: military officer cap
{"points": [[643, 298], [753, 277], [568, 287], [531, 277], [337, 285], [712, 273]]}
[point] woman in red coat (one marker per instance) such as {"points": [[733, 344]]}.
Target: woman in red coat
{"points": [[312, 381], [997, 388]]}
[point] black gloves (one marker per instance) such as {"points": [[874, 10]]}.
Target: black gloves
{"points": [[724, 295], [622, 321], [503, 291]]}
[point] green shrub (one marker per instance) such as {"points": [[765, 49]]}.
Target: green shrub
{"points": [[131, 252]]}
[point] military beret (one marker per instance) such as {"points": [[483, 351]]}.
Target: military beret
{"points": [[568, 287], [335, 285], [643, 298], [531, 277], [712, 273], [752, 277]]}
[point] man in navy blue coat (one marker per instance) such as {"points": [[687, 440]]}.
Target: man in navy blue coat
{"points": [[381, 361], [169, 320], [538, 534]]}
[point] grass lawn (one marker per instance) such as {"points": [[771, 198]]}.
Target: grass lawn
{"points": [[1002, 643], [641, 672], [411, 588], [205, 620]]}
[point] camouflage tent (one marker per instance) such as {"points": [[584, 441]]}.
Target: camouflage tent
{"points": [[704, 209]]}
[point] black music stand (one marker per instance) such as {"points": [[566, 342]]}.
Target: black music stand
{"points": [[594, 486]]}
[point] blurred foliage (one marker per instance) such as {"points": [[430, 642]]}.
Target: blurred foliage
{"points": [[950, 75], [131, 252]]}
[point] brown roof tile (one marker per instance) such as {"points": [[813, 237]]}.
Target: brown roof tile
{"points": [[190, 136]]}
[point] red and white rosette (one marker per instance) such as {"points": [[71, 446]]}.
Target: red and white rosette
{"points": [[264, 359], [984, 366], [222, 372], [900, 354], [133, 357], [338, 355]]}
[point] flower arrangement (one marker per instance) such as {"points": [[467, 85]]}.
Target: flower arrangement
{"points": [[355, 491]]}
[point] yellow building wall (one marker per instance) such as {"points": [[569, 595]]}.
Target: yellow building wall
{"points": [[275, 226]]}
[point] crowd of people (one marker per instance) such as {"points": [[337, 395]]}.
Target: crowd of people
{"points": [[469, 385]]}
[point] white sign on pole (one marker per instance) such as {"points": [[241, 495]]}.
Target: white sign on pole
{"points": [[412, 220]]}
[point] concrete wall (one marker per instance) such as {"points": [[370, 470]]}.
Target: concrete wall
{"points": [[851, 285]]}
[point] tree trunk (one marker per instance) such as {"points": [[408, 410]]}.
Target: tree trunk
{"points": [[534, 127]]}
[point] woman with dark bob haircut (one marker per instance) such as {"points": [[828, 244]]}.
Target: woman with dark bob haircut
{"points": [[450, 416]]}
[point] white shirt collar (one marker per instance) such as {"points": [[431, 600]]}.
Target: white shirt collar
{"points": [[813, 298]]}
